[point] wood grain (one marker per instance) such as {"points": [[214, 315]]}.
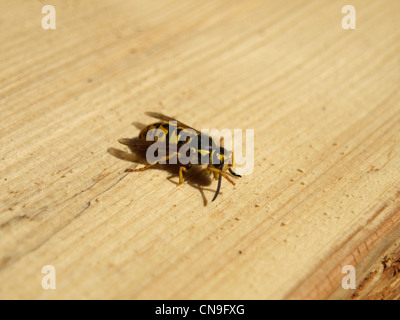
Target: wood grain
{"points": [[324, 104]]}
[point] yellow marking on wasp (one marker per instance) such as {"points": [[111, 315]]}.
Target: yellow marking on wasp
{"points": [[204, 152]]}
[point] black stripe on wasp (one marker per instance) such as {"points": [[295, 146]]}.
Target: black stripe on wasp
{"points": [[178, 143]]}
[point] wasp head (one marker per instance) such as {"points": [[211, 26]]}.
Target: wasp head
{"points": [[221, 161]]}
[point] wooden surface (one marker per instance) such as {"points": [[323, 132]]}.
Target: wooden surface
{"points": [[324, 104]]}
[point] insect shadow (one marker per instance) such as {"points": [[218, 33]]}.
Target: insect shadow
{"points": [[195, 177]]}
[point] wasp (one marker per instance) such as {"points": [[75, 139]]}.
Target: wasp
{"points": [[184, 139]]}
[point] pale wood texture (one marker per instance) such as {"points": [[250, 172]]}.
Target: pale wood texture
{"points": [[324, 103]]}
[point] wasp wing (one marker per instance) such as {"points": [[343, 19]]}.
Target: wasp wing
{"points": [[140, 145], [136, 143], [163, 117]]}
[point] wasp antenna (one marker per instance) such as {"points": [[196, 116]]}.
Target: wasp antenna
{"points": [[218, 188], [235, 174]]}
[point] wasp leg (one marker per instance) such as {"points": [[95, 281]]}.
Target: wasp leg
{"points": [[140, 169], [181, 169], [217, 171]]}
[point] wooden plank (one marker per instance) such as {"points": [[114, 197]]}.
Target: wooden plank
{"points": [[324, 106]]}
